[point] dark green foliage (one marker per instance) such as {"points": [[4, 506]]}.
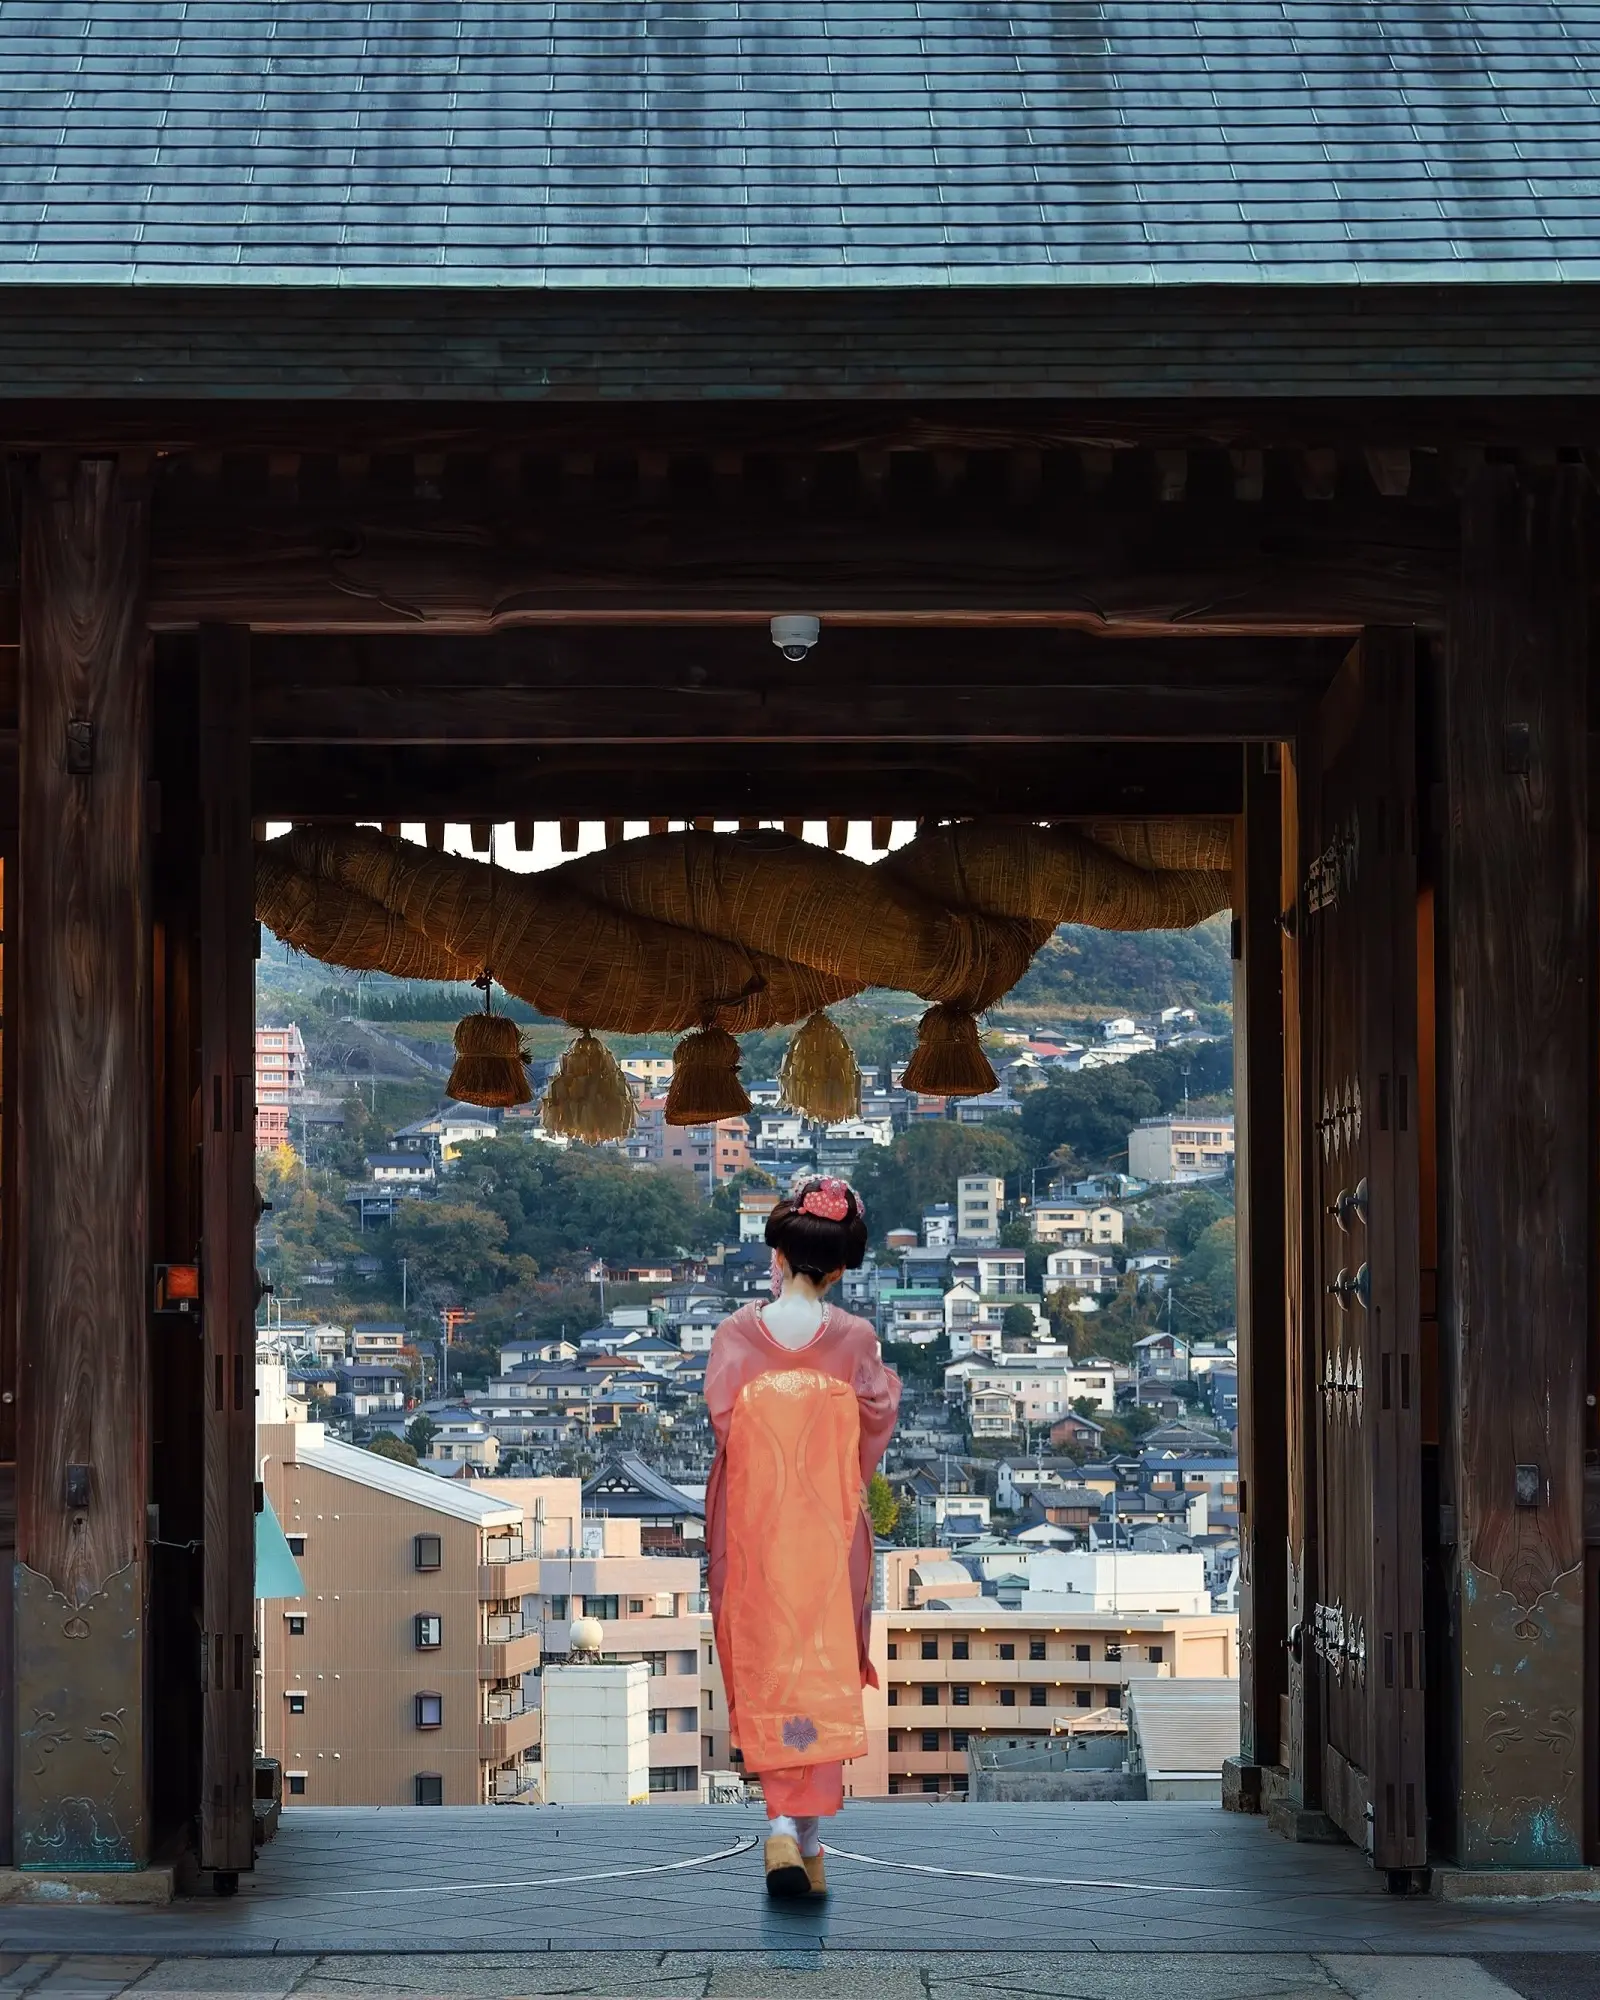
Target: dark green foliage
{"points": [[918, 1362], [1191, 1216], [1092, 1111], [384, 1445], [556, 1204], [1016, 1323], [1082, 970], [923, 1165]]}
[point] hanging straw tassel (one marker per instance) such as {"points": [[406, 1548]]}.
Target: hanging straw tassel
{"points": [[705, 1080], [489, 1067], [588, 1098], [819, 1074], [949, 1060]]}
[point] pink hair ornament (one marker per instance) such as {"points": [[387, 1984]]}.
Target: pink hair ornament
{"points": [[830, 1199]]}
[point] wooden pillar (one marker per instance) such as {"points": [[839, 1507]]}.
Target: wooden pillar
{"points": [[1258, 1101], [82, 1102], [227, 1253], [1515, 1114]]}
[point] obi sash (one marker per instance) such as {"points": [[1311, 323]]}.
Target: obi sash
{"points": [[793, 1501]]}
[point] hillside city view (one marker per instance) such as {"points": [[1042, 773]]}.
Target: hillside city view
{"points": [[489, 1345]]}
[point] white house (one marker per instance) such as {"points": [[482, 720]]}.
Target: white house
{"points": [[979, 1200], [1126, 1580], [939, 1226], [1088, 1271], [1070, 1222]]}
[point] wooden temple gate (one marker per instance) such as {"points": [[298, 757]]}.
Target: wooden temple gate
{"points": [[1374, 655]]}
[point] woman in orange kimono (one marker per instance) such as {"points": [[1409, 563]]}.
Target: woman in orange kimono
{"points": [[802, 1407]]}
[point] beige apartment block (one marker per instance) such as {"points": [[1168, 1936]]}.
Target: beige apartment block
{"points": [[1181, 1148], [1074, 1223], [987, 1672], [398, 1679]]}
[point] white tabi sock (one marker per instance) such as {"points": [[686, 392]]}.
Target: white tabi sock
{"points": [[810, 1840], [781, 1823]]}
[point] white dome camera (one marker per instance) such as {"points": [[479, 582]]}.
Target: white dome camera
{"points": [[794, 636]]}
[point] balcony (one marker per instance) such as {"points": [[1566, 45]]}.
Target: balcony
{"points": [[503, 1659], [498, 1741], [504, 1704], [509, 1787], [512, 1576]]}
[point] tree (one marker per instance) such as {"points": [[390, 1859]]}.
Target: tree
{"points": [[1193, 1214], [1017, 1323], [561, 1207], [725, 1199], [420, 1433], [922, 1167], [883, 1508], [384, 1445], [455, 1250], [1093, 1110], [1082, 968]]}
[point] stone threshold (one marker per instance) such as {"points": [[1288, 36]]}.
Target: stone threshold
{"points": [[66, 1887]]}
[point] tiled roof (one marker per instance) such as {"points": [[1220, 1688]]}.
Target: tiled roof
{"points": [[864, 143]]}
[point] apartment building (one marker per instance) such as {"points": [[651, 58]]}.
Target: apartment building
{"points": [[979, 1201], [712, 1153], [980, 1671], [1072, 1224], [280, 1083], [399, 1678], [1181, 1148]]}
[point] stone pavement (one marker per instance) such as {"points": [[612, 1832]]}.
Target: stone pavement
{"points": [[1093, 1902]]}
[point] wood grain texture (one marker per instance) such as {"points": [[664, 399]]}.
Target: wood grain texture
{"points": [[83, 1006], [1259, 1179], [227, 1254], [1516, 1272]]}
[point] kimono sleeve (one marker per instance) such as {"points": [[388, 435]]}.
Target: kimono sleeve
{"points": [[877, 1388], [724, 1375]]}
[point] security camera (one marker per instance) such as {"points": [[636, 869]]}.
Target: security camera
{"points": [[795, 636]]}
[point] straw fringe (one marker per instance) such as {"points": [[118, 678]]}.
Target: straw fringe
{"points": [[490, 1066], [819, 1074], [588, 1098], [705, 1080], [948, 1060]]}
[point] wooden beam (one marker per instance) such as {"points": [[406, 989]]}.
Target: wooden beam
{"points": [[1516, 1122], [1088, 562], [1259, 1178], [903, 782], [83, 1084], [227, 1118]]}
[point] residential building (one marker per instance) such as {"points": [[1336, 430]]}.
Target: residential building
{"points": [[1080, 1272], [915, 1316], [1077, 1432], [1181, 1147], [651, 1609], [280, 1068], [1162, 1357], [712, 1153], [462, 1443], [398, 1679], [939, 1226], [1120, 1580], [840, 1146], [980, 1670], [376, 1340], [992, 1273], [1069, 1223], [669, 1521], [446, 1131], [755, 1205], [1032, 1388], [371, 1389], [407, 1169], [975, 1323], [653, 1073], [1180, 1734], [979, 1201]]}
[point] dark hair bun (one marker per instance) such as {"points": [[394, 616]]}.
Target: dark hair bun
{"points": [[816, 1246]]}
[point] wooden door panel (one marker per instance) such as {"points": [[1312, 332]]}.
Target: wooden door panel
{"points": [[1363, 1632]]}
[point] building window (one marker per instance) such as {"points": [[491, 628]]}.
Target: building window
{"points": [[658, 1722], [600, 1607], [1113, 1649], [1035, 1649], [1085, 1698], [959, 1649], [296, 1781], [675, 1778], [427, 1787], [427, 1552], [930, 1697], [894, 1697], [959, 1782], [297, 1704], [958, 1739], [1080, 1652], [894, 1739], [297, 1625], [930, 1649], [894, 1650], [430, 1711], [930, 1784], [961, 1696], [1008, 1697], [1156, 1656], [657, 1663], [429, 1631], [297, 1544], [894, 1788], [558, 1607], [930, 1739], [635, 1607], [1036, 1697], [1007, 1650]]}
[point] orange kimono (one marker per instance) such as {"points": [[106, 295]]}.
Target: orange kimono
{"points": [[799, 1431]]}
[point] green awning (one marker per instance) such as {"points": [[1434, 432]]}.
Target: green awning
{"points": [[277, 1572]]}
